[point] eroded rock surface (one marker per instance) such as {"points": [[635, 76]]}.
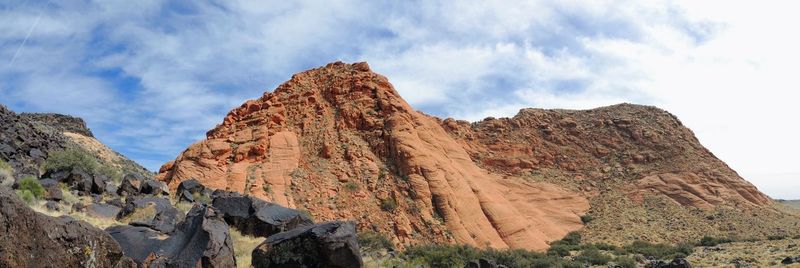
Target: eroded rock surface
{"points": [[30, 239], [329, 244]]}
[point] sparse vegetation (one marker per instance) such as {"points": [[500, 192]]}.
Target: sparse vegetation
{"points": [[243, 246], [659, 251], [351, 186], [592, 256], [370, 241], [586, 218], [388, 204], [30, 190], [708, 241], [74, 158], [6, 174], [201, 198], [267, 188], [459, 255]]}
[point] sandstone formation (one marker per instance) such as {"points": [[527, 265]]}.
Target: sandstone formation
{"points": [[339, 142], [342, 142], [30, 239]]}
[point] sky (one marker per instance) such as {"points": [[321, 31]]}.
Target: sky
{"points": [[151, 77]]}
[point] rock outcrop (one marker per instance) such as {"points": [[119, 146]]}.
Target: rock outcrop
{"points": [[252, 216], [30, 239], [329, 244], [338, 141], [201, 240]]}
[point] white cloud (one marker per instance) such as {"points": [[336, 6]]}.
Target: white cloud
{"points": [[725, 68]]}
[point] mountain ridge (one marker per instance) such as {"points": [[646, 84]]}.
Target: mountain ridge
{"points": [[340, 142]]}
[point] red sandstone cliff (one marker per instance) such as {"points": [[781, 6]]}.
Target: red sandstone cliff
{"points": [[340, 142]]}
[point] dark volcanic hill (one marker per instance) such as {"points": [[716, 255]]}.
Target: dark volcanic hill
{"points": [[27, 139], [340, 142]]}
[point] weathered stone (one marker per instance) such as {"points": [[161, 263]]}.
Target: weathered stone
{"points": [[201, 240], [52, 206], [31, 239], [152, 187], [103, 211], [131, 185], [154, 212], [329, 244], [254, 216]]}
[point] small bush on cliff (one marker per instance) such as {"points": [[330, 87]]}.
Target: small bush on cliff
{"points": [[74, 158], [389, 204], [70, 158], [369, 241], [30, 189]]}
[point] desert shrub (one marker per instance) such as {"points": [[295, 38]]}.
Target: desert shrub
{"points": [[604, 246], [389, 204], [559, 250], [112, 173], [374, 241], [660, 251], [5, 165], [572, 238], [586, 218], [459, 255], [26, 196], [776, 237], [32, 185], [70, 158], [267, 188], [625, 262], [351, 186], [593, 257], [708, 241], [201, 198]]}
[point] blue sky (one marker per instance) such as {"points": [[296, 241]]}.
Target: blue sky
{"points": [[151, 77]]}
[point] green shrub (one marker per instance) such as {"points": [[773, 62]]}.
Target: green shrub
{"points": [[70, 158], [351, 186], [593, 257], [708, 241], [458, 256], [374, 241], [389, 204], [604, 246], [660, 251], [26, 196], [5, 165], [572, 238], [32, 185], [586, 218], [267, 188], [110, 172], [625, 262], [559, 250], [776, 237]]}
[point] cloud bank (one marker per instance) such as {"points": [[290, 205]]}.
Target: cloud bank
{"points": [[151, 77]]}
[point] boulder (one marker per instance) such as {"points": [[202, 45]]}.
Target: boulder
{"points": [[201, 240], [253, 216], [153, 212], [52, 206], [103, 211], [329, 244], [152, 187], [131, 185], [99, 184], [191, 185], [51, 190], [31, 239], [75, 178], [790, 260]]}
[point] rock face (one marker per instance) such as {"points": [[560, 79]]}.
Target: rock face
{"points": [[329, 244], [30, 239], [252, 216], [23, 145], [340, 142], [59, 122], [201, 240], [156, 213]]}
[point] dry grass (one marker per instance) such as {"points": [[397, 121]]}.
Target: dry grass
{"points": [[96, 222], [243, 246], [767, 253]]}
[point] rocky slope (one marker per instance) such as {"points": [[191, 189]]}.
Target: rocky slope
{"points": [[340, 142], [26, 140]]}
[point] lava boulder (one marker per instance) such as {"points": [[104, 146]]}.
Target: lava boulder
{"points": [[328, 244]]}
